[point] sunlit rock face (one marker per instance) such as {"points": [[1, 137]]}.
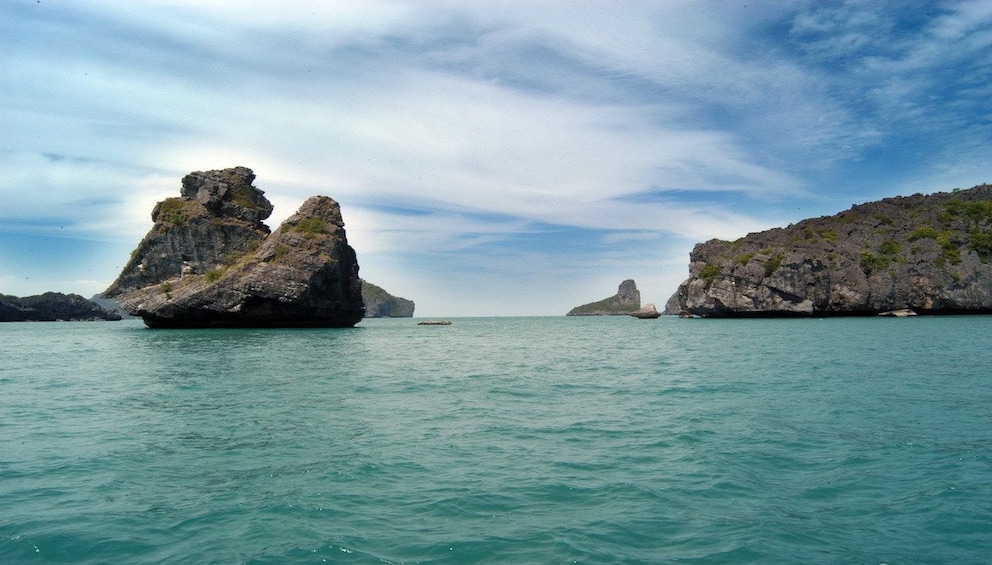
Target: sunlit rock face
{"points": [[928, 253], [208, 261]]}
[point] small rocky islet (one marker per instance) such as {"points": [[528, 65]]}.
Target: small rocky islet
{"points": [[927, 254], [626, 302], [623, 303]]}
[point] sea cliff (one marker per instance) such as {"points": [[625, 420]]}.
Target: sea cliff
{"points": [[928, 253]]}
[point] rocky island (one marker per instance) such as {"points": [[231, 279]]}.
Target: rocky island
{"points": [[52, 307], [626, 301], [929, 254], [209, 261], [381, 304]]}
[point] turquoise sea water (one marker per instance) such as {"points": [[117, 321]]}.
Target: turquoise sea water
{"points": [[499, 440]]}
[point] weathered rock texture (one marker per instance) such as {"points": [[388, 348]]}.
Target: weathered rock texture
{"points": [[626, 300], [928, 253], [210, 262], [646, 312], [381, 304], [51, 307]]}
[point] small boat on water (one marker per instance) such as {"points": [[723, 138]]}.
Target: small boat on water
{"points": [[434, 323]]}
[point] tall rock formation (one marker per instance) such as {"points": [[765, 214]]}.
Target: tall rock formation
{"points": [[928, 253], [381, 304], [210, 262], [624, 302]]}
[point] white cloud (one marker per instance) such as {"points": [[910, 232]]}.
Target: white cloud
{"points": [[496, 119]]}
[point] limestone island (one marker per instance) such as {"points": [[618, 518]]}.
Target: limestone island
{"points": [[210, 262], [53, 307], [626, 301], [381, 304], [927, 254]]}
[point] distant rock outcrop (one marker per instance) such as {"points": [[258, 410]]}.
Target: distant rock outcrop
{"points": [[381, 304], [928, 253], [51, 307], [210, 262], [626, 300], [646, 312]]}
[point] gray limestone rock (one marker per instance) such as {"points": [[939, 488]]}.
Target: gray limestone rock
{"points": [[929, 253], [626, 300], [209, 261], [381, 304]]}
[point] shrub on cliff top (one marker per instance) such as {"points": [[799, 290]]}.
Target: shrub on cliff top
{"points": [[311, 227], [177, 211]]}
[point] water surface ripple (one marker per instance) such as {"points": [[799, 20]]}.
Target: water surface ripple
{"points": [[499, 440]]}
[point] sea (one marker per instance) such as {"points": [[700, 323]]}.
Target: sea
{"points": [[496, 440]]}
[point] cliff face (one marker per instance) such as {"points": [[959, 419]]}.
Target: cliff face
{"points": [[209, 261], [381, 304], [625, 301], [50, 307], [929, 253], [217, 219]]}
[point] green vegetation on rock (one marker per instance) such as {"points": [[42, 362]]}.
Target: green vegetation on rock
{"points": [[312, 227], [177, 211], [772, 264], [927, 252], [709, 273]]}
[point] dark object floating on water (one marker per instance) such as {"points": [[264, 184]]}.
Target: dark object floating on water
{"points": [[434, 323]]}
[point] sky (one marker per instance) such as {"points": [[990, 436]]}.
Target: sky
{"points": [[491, 158]]}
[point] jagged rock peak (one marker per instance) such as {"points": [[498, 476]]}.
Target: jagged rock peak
{"points": [[227, 193], [626, 300], [928, 253], [628, 294]]}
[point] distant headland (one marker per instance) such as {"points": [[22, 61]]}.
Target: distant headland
{"points": [[623, 303], [930, 254], [381, 304], [52, 307]]}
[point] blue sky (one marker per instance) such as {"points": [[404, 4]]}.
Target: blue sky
{"points": [[491, 158]]}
